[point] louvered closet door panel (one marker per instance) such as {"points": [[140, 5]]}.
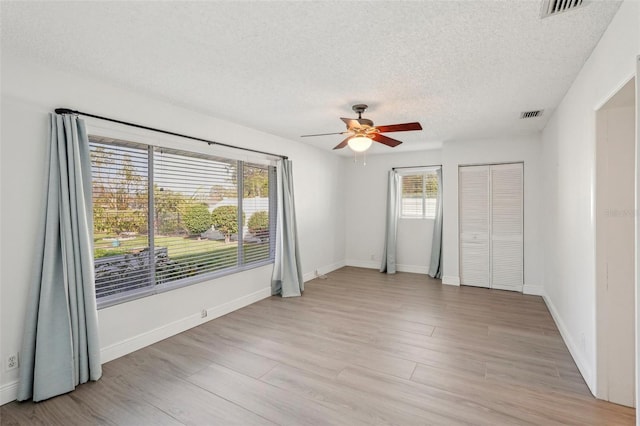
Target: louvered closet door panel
{"points": [[473, 184], [507, 227]]}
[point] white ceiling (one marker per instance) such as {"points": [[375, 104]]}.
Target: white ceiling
{"points": [[464, 69]]}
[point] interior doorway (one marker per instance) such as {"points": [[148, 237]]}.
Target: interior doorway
{"points": [[615, 247]]}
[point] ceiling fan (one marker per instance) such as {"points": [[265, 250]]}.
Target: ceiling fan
{"points": [[362, 132]]}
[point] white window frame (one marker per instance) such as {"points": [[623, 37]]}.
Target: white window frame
{"points": [[425, 215], [144, 137]]}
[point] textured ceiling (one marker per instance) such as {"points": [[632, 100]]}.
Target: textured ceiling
{"points": [[464, 69]]}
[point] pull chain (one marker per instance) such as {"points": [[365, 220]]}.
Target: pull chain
{"points": [[364, 158]]}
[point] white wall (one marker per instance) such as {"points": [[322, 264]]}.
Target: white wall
{"points": [[569, 174], [499, 150], [366, 189], [29, 92], [366, 197]]}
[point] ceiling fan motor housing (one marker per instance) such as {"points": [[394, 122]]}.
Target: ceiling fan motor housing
{"points": [[365, 122]]}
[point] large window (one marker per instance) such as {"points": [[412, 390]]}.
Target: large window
{"points": [[165, 218], [419, 195]]}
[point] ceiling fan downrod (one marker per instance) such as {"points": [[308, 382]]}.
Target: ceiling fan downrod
{"points": [[359, 109]]}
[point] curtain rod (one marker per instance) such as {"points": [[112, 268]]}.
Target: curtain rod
{"points": [[207, 141], [416, 167]]}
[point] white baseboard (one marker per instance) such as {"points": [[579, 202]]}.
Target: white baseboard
{"points": [[150, 337], [586, 372], [371, 264], [322, 271], [414, 269], [8, 392], [400, 267], [534, 290], [451, 280]]}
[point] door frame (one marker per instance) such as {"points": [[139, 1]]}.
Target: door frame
{"points": [[600, 274]]}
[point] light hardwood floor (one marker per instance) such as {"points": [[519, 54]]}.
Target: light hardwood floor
{"points": [[359, 348]]}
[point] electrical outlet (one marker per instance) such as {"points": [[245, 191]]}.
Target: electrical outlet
{"points": [[12, 362], [203, 313]]}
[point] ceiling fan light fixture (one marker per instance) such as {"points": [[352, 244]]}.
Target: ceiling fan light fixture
{"points": [[360, 143]]}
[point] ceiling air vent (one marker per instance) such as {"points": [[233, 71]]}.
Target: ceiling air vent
{"points": [[531, 114], [553, 7]]}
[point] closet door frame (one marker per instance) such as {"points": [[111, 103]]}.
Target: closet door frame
{"points": [[490, 236]]}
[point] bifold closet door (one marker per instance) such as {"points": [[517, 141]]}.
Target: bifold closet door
{"points": [[491, 226], [473, 184], [507, 263]]}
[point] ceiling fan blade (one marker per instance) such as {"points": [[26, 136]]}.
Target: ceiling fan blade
{"points": [[342, 144], [323, 134], [399, 127], [351, 122], [385, 140]]}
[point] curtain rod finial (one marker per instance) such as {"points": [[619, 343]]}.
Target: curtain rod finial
{"points": [[64, 111]]}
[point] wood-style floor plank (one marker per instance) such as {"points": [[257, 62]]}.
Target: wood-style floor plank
{"points": [[358, 348], [278, 405], [361, 403], [189, 404]]}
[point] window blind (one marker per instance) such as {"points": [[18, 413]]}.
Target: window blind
{"points": [[120, 215], [419, 194], [187, 189], [165, 217]]}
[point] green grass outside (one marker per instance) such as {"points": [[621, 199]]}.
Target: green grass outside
{"points": [[177, 246], [197, 263], [189, 256]]}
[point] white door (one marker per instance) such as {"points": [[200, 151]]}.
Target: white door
{"points": [[473, 184], [491, 226], [506, 227]]}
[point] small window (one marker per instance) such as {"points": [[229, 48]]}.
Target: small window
{"points": [[165, 218], [419, 195]]}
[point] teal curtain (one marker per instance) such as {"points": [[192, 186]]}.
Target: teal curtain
{"points": [[60, 346], [391, 226], [435, 266], [287, 271]]}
